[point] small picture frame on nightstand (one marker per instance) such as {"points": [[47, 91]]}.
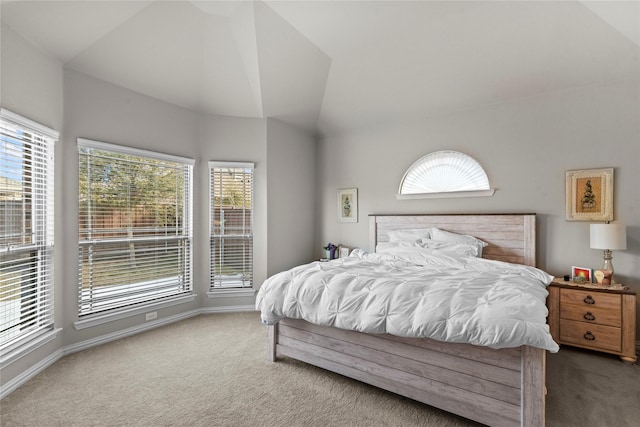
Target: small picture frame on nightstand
{"points": [[581, 274], [343, 251]]}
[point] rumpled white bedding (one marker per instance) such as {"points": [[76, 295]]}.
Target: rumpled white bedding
{"points": [[416, 292]]}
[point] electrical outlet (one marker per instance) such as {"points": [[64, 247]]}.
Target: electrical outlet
{"points": [[151, 316]]}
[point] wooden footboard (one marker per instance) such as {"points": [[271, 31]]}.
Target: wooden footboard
{"points": [[495, 387]]}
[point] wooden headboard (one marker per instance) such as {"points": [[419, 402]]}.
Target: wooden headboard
{"points": [[511, 237]]}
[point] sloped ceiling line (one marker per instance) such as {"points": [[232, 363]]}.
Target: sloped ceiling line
{"points": [[243, 27], [293, 71]]}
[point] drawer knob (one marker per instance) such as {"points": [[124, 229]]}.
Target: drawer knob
{"points": [[589, 300], [589, 316], [589, 336]]}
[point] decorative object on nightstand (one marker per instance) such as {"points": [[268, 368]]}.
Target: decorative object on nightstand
{"points": [[603, 277], [608, 237], [330, 251], [593, 317]]}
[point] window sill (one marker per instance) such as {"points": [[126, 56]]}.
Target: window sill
{"points": [[231, 293], [29, 346], [99, 319], [447, 195]]}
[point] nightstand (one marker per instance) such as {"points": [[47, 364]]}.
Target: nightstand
{"points": [[594, 317]]}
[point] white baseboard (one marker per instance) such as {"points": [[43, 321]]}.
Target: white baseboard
{"points": [[228, 309], [103, 339], [7, 388]]}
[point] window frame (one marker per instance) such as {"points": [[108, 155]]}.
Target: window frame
{"points": [[88, 318], [221, 290], [41, 143]]}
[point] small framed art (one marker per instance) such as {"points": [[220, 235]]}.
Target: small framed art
{"points": [[343, 251], [581, 274], [348, 205], [589, 195]]}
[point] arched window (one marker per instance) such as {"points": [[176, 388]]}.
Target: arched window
{"points": [[445, 174]]}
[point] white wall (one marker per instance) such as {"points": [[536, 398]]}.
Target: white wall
{"points": [[291, 197], [524, 146], [30, 82]]}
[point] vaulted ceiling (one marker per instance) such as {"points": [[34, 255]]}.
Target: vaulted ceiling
{"points": [[327, 66]]}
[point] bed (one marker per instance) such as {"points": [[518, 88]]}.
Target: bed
{"points": [[494, 386]]}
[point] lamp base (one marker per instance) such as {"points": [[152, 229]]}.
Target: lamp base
{"points": [[607, 267]]}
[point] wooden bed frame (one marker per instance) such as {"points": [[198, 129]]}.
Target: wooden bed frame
{"points": [[503, 387]]}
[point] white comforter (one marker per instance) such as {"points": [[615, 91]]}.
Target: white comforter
{"points": [[416, 292]]}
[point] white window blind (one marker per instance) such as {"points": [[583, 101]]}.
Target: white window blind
{"points": [[231, 224], [135, 214], [26, 229]]}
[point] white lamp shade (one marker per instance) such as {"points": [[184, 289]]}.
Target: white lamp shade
{"points": [[608, 236]]}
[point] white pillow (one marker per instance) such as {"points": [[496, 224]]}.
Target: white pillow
{"points": [[409, 234], [460, 249], [450, 248], [423, 250], [448, 236]]}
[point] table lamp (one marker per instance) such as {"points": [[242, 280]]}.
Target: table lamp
{"points": [[608, 237]]}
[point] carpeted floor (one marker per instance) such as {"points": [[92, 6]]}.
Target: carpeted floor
{"points": [[211, 371]]}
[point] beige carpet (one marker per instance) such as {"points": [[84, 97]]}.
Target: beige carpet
{"points": [[210, 371]]}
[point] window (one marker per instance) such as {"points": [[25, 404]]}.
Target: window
{"points": [[26, 230], [231, 224], [134, 227], [445, 174]]}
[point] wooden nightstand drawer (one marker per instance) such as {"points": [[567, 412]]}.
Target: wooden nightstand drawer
{"points": [[597, 337], [584, 313], [590, 299]]}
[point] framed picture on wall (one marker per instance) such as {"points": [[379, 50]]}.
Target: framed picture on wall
{"points": [[589, 195], [348, 205]]}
